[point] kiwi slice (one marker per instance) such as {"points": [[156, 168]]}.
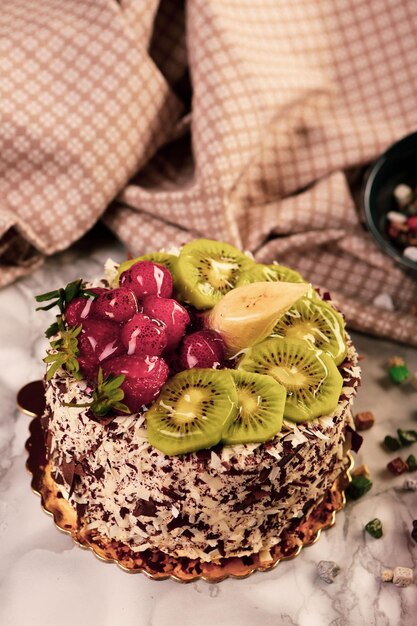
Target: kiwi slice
{"points": [[261, 401], [318, 323], [311, 377], [206, 270], [269, 273], [163, 258], [192, 411]]}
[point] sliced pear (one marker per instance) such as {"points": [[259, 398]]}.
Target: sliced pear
{"points": [[246, 315]]}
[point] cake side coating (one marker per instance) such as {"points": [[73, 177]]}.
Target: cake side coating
{"points": [[230, 501]]}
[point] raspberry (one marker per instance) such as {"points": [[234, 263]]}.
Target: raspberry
{"points": [[204, 348], [171, 313], [80, 309], [116, 305], [143, 335], [146, 278], [98, 340], [144, 377]]}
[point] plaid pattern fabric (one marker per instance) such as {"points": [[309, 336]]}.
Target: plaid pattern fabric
{"points": [[286, 98]]}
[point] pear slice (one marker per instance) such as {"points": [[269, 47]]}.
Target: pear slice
{"points": [[246, 315]]}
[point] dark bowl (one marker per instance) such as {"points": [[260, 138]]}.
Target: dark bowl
{"points": [[395, 166]]}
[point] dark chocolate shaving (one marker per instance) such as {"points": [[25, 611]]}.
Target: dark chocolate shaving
{"points": [[123, 512], [144, 507], [178, 522], [67, 470], [99, 472], [173, 495], [357, 439]]}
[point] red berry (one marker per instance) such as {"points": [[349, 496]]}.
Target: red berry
{"points": [[145, 278], [142, 335], [412, 223], [171, 313], [144, 377], [116, 305], [205, 348], [81, 308], [98, 340]]}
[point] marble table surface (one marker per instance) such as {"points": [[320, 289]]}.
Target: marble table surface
{"points": [[45, 579]]}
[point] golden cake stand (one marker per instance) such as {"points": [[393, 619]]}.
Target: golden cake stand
{"points": [[154, 563]]}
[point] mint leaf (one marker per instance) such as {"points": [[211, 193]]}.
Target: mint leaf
{"points": [[106, 396], [65, 352], [62, 297]]}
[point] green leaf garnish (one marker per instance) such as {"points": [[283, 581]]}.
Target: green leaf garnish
{"points": [[107, 396], [54, 328], [62, 297], [66, 348]]}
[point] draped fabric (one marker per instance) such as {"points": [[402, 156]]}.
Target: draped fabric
{"points": [[244, 121]]}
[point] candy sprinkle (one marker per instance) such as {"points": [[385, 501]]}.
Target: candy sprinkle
{"points": [[399, 374], [374, 528], [403, 576], [395, 360], [397, 466], [364, 420], [409, 484], [407, 437], [392, 443], [358, 487], [411, 462], [387, 575], [328, 570]]}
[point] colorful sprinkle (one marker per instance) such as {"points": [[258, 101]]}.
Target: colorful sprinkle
{"points": [[364, 420], [409, 484], [358, 487], [387, 575], [327, 571], [403, 576], [397, 466], [392, 443], [399, 374], [374, 528], [395, 360], [407, 437], [411, 462]]}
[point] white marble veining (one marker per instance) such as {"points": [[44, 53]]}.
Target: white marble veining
{"points": [[46, 580]]}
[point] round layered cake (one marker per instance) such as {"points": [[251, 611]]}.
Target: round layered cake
{"points": [[203, 417]]}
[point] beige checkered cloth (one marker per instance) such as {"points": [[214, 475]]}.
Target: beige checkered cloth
{"points": [[231, 119]]}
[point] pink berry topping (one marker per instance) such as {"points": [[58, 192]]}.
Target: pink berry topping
{"points": [[204, 348], [116, 305], [144, 336], [144, 377], [98, 340], [145, 278], [81, 308], [171, 313]]}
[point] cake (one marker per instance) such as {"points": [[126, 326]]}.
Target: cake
{"points": [[220, 437]]}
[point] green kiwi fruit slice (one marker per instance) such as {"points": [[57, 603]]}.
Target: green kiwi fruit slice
{"points": [[269, 273], [311, 377], [163, 258], [318, 323], [261, 402], [206, 270], [192, 411]]}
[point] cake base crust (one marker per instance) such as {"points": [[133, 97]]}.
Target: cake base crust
{"points": [[160, 566]]}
